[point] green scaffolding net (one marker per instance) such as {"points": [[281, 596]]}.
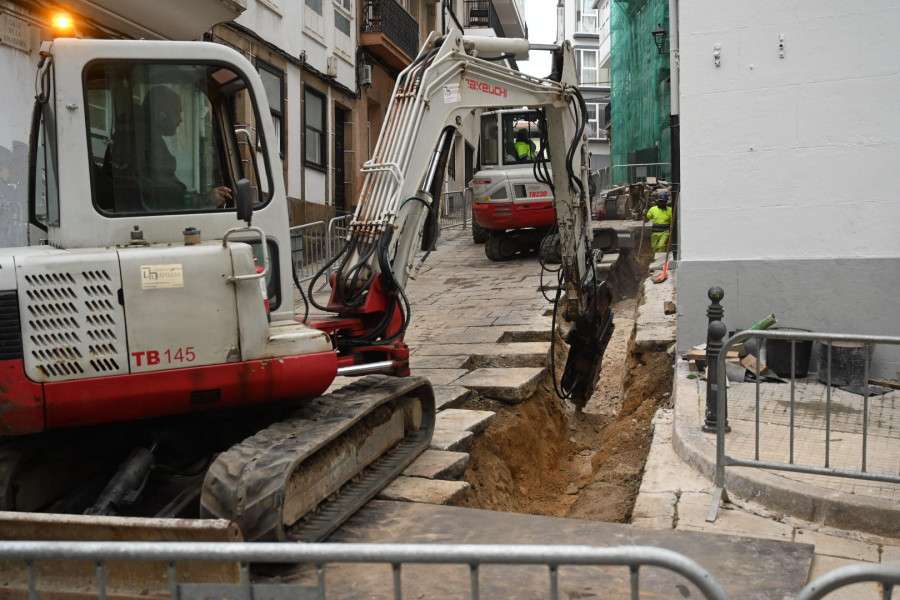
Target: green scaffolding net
{"points": [[640, 105]]}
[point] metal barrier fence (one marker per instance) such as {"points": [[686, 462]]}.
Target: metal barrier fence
{"points": [[888, 575], [455, 209], [175, 554], [187, 569], [314, 244], [812, 417]]}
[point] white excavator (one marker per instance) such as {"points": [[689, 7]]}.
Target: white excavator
{"points": [[153, 363]]}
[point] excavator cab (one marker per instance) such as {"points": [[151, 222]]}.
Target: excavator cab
{"points": [[156, 138], [142, 136], [156, 351], [510, 202]]}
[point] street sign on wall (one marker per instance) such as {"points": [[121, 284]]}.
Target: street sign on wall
{"points": [[15, 32]]}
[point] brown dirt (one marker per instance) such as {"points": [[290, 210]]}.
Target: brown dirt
{"points": [[541, 457]]}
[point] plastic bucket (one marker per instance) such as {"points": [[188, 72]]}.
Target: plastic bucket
{"points": [[778, 355], [848, 363]]}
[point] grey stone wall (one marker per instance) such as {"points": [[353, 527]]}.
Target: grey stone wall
{"points": [[852, 296], [14, 195]]}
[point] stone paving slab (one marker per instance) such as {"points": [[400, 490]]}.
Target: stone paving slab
{"points": [[426, 361], [693, 508], [859, 591], [525, 333], [524, 354], [450, 396], [509, 385], [455, 335], [439, 376], [475, 421], [452, 440], [428, 491], [655, 328], [438, 464], [511, 350], [747, 569]]}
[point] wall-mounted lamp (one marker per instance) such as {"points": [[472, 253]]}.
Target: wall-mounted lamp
{"points": [[659, 38]]}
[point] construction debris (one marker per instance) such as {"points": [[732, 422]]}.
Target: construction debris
{"points": [[628, 201]]}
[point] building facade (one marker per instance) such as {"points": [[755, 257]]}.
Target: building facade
{"points": [[640, 115], [790, 131], [587, 27]]}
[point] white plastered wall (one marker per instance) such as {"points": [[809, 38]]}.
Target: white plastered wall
{"points": [[787, 164]]}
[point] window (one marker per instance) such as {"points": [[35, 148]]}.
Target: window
{"points": [[342, 42], [521, 137], [313, 19], [273, 82], [315, 129], [586, 16], [341, 23], [274, 5], [595, 123], [490, 137], [588, 69], [162, 137], [45, 203], [515, 139]]}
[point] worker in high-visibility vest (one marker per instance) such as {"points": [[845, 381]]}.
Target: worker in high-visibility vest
{"points": [[524, 146], [661, 215]]}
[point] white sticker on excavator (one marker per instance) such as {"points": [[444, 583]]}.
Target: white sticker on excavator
{"points": [[451, 93], [154, 277]]}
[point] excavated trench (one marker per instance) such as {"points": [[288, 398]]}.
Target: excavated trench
{"points": [[540, 457]]}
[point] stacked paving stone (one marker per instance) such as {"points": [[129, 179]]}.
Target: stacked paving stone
{"points": [[477, 328], [473, 331]]}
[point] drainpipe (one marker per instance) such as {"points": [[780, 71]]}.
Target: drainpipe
{"points": [[560, 22], [674, 123]]}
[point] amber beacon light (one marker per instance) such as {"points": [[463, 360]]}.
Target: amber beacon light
{"points": [[63, 24]]}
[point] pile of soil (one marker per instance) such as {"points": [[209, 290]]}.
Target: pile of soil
{"points": [[542, 457]]}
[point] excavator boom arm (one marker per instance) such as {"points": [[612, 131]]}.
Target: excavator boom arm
{"points": [[447, 86]]}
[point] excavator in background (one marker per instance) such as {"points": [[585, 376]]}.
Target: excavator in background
{"points": [[152, 360], [512, 190]]}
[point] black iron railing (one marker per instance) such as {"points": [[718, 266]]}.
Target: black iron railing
{"points": [[481, 13], [389, 18]]}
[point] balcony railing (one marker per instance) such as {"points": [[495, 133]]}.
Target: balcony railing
{"points": [[481, 13], [388, 18]]}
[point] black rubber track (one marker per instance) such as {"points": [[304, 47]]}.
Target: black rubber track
{"points": [[247, 483]]}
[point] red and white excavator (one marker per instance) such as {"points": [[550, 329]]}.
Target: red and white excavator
{"points": [[152, 362], [512, 192]]}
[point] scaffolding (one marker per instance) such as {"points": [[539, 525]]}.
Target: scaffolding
{"points": [[640, 85]]}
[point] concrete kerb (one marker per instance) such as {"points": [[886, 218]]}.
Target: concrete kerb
{"points": [[803, 500]]}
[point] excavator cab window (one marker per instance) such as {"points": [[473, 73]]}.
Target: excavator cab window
{"points": [[522, 137], [44, 185], [162, 137], [489, 153], [509, 137]]}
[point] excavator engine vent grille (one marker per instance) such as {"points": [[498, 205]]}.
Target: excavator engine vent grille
{"points": [[10, 331], [73, 324]]}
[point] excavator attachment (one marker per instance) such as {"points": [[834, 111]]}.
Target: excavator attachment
{"points": [[587, 342], [71, 579], [305, 475]]}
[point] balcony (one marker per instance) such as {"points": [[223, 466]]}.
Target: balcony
{"points": [[390, 32], [480, 14], [510, 14]]}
